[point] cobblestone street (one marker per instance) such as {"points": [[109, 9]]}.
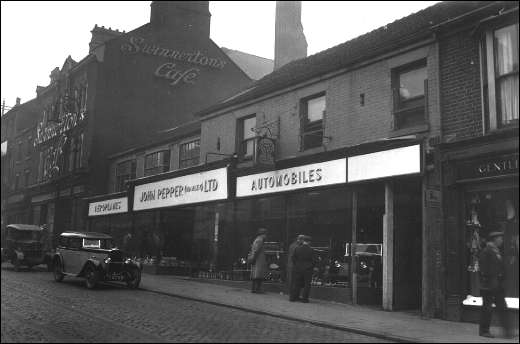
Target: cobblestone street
{"points": [[37, 309]]}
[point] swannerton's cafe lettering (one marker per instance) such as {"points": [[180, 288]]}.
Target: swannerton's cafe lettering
{"points": [[312, 175], [193, 188], [170, 70]]}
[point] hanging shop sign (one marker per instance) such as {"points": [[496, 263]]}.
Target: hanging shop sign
{"points": [[171, 70], [388, 163], [108, 207], [489, 167], [193, 188], [300, 177]]}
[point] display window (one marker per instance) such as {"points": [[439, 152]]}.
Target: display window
{"points": [[486, 211]]}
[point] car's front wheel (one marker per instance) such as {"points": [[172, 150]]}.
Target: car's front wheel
{"points": [[91, 277], [135, 279], [58, 273]]}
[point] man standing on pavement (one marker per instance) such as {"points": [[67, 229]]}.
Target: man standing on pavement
{"points": [[492, 271], [289, 268], [303, 264], [258, 260]]}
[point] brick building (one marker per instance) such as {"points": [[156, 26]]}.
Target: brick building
{"points": [[479, 148]]}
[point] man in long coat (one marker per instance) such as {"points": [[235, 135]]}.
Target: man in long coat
{"points": [[492, 275], [289, 268], [258, 261], [303, 260]]}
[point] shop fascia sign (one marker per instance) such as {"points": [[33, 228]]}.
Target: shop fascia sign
{"points": [[294, 178], [383, 164], [170, 70], [193, 188], [108, 207], [490, 167]]}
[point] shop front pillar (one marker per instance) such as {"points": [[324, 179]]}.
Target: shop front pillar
{"points": [[353, 250], [388, 248], [214, 263]]}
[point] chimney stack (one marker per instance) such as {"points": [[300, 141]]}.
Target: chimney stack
{"points": [[181, 16], [289, 42], [100, 35], [18, 100]]}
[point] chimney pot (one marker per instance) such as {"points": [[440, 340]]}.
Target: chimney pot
{"points": [[18, 100]]}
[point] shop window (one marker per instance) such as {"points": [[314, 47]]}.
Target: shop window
{"points": [[19, 151], [157, 162], [29, 146], [409, 88], [27, 175], [500, 77], [124, 171], [488, 211], [312, 114], [247, 137], [189, 154]]}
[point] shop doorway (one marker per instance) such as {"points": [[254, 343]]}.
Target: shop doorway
{"points": [[367, 246], [407, 258]]}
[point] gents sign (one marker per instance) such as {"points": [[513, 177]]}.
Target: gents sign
{"points": [[193, 188], [491, 167], [108, 207], [306, 176]]}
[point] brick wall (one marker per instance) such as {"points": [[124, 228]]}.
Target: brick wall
{"points": [[346, 121], [460, 79]]}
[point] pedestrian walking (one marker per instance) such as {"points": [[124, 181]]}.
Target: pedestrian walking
{"points": [[257, 258], [492, 275], [303, 264], [290, 265]]}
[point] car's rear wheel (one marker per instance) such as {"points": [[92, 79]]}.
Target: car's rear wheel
{"points": [[135, 279], [91, 277], [58, 273]]}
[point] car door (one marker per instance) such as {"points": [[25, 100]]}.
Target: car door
{"points": [[74, 264]]}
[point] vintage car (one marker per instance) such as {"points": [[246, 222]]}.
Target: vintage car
{"points": [[25, 245], [94, 257]]}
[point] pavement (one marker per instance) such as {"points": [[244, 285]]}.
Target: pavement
{"points": [[393, 326]]}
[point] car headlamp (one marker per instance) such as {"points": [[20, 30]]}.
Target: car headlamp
{"points": [[107, 260]]}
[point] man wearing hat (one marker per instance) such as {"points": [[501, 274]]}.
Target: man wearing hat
{"points": [[303, 264], [492, 270], [289, 268], [258, 260]]}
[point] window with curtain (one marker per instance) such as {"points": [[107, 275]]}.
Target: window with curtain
{"points": [[506, 69], [189, 154], [157, 162], [124, 171], [500, 76]]}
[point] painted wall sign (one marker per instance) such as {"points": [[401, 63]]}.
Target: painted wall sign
{"points": [[306, 176], [490, 167], [388, 163], [51, 130], [108, 207], [170, 70], [193, 188]]}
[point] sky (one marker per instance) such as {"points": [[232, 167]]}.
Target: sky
{"points": [[37, 36]]}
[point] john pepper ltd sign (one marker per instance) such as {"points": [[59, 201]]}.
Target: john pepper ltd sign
{"points": [[170, 70], [306, 176], [193, 188], [108, 207]]}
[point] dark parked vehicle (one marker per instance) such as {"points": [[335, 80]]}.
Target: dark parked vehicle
{"points": [[94, 257], [24, 245]]}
